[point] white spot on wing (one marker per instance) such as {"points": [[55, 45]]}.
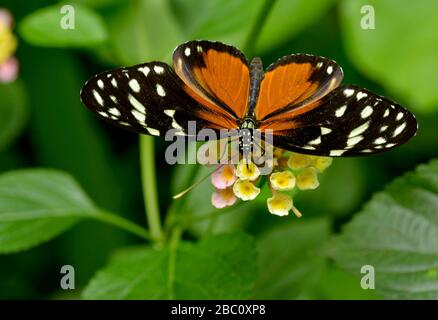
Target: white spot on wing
{"points": [[114, 82], [340, 111], [329, 70], [187, 52], [399, 129], [325, 130], [114, 112], [366, 112], [141, 117], [383, 128], [169, 112], [113, 98], [399, 116], [153, 131], [97, 97], [354, 140], [134, 85], [336, 152], [348, 92], [359, 130], [386, 113], [361, 95], [145, 70], [199, 48], [319, 65], [160, 90], [100, 83], [380, 140], [158, 69], [136, 104], [315, 141]]}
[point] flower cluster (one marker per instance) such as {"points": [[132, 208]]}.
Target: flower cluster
{"points": [[290, 171], [8, 45]]}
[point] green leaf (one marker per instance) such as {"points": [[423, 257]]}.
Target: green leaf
{"points": [[337, 284], [13, 112], [201, 19], [397, 234], [37, 205], [44, 27], [219, 267], [405, 66], [142, 30], [287, 19], [289, 261]]}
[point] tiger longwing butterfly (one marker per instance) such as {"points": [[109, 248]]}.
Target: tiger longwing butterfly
{"points": [[299, 98]]}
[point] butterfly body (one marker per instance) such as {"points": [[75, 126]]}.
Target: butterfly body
{"points": [[299, 99]]}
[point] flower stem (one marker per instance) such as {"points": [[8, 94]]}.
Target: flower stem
{"points": [[251, 40], [148, 178]]}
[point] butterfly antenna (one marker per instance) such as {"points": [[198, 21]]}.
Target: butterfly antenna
{"points": [[182, 193]]}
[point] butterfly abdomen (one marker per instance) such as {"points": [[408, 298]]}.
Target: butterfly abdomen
{"points": [[256, 76]]}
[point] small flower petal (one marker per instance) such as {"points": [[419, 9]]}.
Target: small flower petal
{"points": [[223, 177], [322, 163], [9, 70], [298, 161], [308, 179], [280, 204], [223, 198], [245, 190], [283, 180], [6, 18], [247, 171]]}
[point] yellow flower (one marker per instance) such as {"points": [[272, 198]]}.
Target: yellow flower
{"points": [[298, 161], [8, 43], [308, 179], [280, 204], [283, 180], [245, 190], [322, 163], [247, 171]]}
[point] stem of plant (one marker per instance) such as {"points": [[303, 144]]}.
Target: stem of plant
{"points": [[148, 178], [122, 223]]}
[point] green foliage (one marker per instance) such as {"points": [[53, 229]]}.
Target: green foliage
{"points": [[37, 205], [219, 267], [397, 233], [289, 260], [43, 28], [13, 112], [280, 27], [401, 53], [134, 35]]}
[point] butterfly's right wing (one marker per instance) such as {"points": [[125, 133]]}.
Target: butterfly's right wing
{"points": [[149, 99]]}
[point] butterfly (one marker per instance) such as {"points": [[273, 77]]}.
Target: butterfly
{"points": [[299, 99]]}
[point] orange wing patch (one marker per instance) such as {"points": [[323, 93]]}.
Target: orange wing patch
{"points": [[295, 81], [215, 75]]}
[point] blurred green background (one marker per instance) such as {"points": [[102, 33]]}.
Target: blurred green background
{"points": [[44, 124]]}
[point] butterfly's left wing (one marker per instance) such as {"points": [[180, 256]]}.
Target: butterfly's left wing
{"points": [[214, 74], [149, 98], [348, 121]]}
